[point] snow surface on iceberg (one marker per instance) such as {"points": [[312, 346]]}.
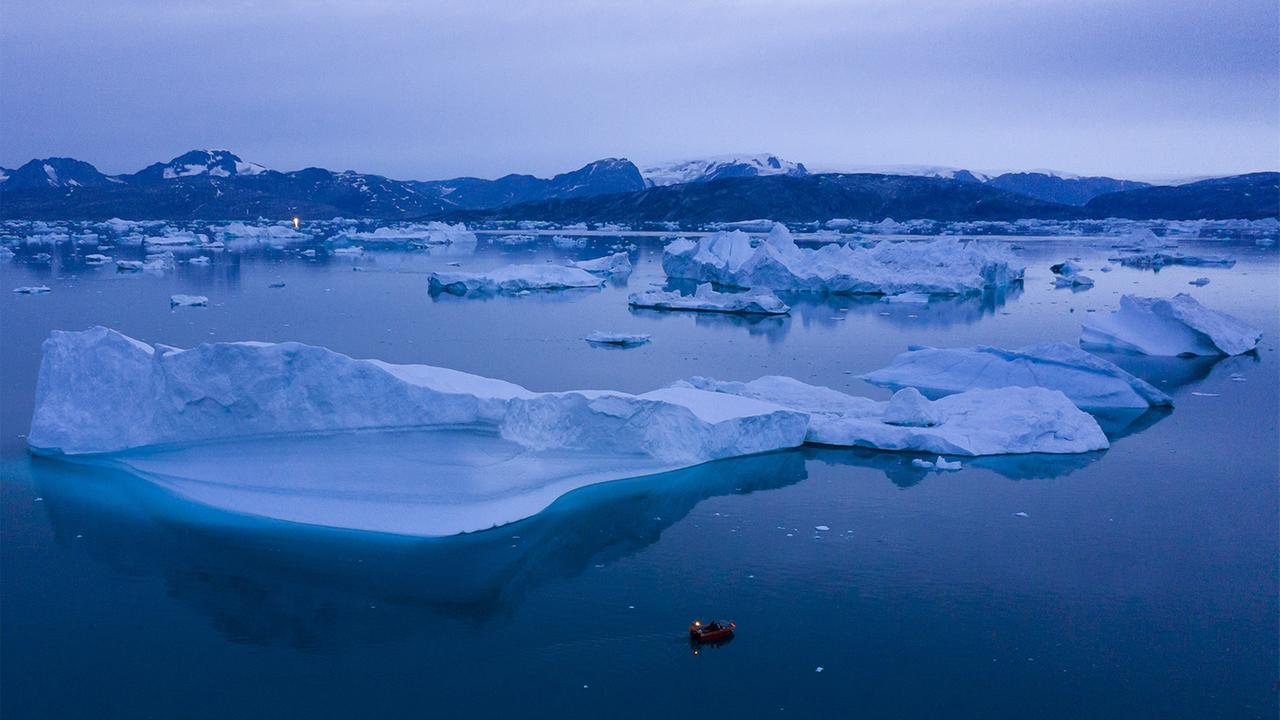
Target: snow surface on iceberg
{"points": [[512, 279], [1091, 382], [706, 299], [1000, 421], [943, 267], [1168, 326], [618, 263]]}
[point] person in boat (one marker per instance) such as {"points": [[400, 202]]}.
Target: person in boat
{"points": [[712, 626]]}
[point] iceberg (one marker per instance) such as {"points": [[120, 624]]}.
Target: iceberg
{"points": [[188, 301], [1091, 382], [432, 233], [616, 339], [1000, 421], [1157, 260], [100, 391], [512, 279], [705, 299], [616, 264], [1168, 326], [941, 267], [1070, 274]]}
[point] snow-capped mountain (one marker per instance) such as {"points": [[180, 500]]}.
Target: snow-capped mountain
{"points": [[198, 163], [54, 172], [715, 168]]}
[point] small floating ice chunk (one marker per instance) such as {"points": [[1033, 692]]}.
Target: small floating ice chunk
{"points": [[922, 464], [32, 290], [200, 260], [617, 339], [1167, 327], [1199, 282], [706, 299], [943, 464], [1070, 274], [188, 301], [128, 266], [615, 264], [1091, 382], [512, 279], [821, 527], [1020, 514], [96, 259]]}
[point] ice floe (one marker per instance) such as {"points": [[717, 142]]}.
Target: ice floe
{"points": [[615, 264], [1091, 382], [616, 339], [999, 421], [706, 299], [512, 279], [944, 267], [188, 301], [1168, 326]]}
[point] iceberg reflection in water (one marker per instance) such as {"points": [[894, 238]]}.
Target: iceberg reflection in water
{"points": [[272, 583]]}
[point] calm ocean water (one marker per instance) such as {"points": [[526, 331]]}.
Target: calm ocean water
{"points": [[1142, 581]]}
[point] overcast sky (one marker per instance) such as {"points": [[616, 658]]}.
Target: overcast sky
{"points": [[1133, 88]]}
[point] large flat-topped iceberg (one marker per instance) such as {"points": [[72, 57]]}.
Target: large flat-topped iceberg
{"points": [[513, 279], [1168, 326], [945, 267], [1001, 421], [100, 391], [1091, 382], [706, 299]]}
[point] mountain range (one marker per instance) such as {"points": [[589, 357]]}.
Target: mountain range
{"points": [[218, 184]]}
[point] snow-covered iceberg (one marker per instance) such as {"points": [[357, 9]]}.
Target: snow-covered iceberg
{"points": [[942, 267], [512, 279], [618, 263], [999, 421], [1091, 382], [706, 299], [1168, 326]]}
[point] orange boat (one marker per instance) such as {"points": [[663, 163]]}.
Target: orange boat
{"points": [[713, 631]]}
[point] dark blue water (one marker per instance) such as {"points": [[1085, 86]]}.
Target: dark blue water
{"points": [[1141, 583]]}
